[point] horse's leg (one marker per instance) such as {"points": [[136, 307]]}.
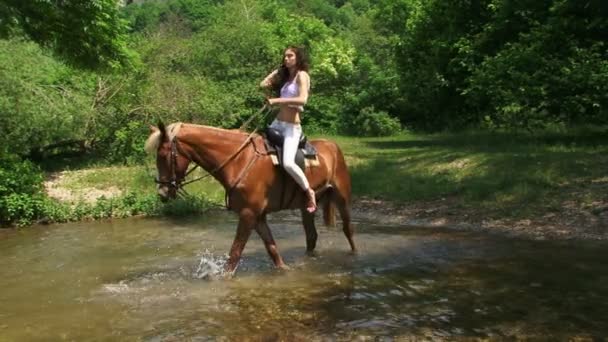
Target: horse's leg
{"points": [[247, 220], [347, 227], [341, 197], [271, 247], [308, 219]]}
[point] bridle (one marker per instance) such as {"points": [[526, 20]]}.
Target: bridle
{"points": [[174, 182]]}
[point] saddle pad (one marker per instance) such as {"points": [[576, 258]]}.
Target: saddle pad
{"points": [[309, 150], [310, 162]]}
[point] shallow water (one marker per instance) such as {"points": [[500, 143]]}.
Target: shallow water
{"points": [[143, 279]]}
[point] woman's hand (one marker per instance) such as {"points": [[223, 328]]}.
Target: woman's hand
{"points": [[268, 80], [270, 102]]}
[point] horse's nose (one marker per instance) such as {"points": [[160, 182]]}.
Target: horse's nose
{"points": [[163, 199]]}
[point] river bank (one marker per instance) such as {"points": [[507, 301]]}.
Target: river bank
{"points": [[548, 185], [573, 221]]}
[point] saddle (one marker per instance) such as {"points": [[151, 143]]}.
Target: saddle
{"points": [[305, 156]]}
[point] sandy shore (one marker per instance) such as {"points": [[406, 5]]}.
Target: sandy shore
{"points": [[572, 222]]}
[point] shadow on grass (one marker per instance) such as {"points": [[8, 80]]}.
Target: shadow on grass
{"points": [[71, 162], [501, 171], [497, 141]]}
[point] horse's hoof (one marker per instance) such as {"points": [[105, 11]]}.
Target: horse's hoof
{"points": [[312, 254], [283, 268], [226, 274]]}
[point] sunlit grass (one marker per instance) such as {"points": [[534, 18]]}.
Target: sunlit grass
{"points": [[138, 179], [509, 173], [121, 177]]}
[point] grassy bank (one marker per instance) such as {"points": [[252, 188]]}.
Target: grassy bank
{"points": [[507, 174], [503, 174]]}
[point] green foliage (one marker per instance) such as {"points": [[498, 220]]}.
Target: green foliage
{"points": [[501, 63], [24, 209], [20, 209], [20, 190], [547, 75], [130, 204], [372, 123], [429, 37], [185, 206], [151, 15], [127, 143], [22, 200], [55, 211], [42, 101], [18, 176], [145, 16], [435, 65], [212, 77], [86, 33]]}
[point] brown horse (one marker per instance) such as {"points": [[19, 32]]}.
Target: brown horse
{"points": [[254, 186]]}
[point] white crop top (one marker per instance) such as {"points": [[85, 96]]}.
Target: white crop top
{"points": [[291, 89]]}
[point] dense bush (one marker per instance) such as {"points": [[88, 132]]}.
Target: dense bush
{"points": [[371, 123], [126, 146], [42, 101], [18, 176], [21, 197], [498, 63], [530, 88], [89, 34]]}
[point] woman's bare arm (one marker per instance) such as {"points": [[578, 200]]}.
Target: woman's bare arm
{"points": [[267, 82]]}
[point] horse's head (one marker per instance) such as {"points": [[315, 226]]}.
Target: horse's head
{"points": [[171, 163]]}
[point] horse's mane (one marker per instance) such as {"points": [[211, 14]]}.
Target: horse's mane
{"points": [[223, 130], [172, 130], [153, 141]]}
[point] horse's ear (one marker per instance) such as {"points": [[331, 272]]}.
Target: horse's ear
{"points": [[153, 129], [163, 130]]}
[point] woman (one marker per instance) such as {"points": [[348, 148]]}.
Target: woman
{"points": [[292, 79]]}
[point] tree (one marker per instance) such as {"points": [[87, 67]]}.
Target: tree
{"points": [[87, 34]]}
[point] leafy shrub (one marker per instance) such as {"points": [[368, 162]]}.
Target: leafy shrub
{"points": [[20, 209], [21, 198], [372, 123], [133, 204], [55, 211], [531, 89], [187, 206], [42, 101], [19, 176], [128, 141]]}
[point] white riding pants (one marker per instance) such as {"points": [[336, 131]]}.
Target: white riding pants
{"points": [[292, 133]]}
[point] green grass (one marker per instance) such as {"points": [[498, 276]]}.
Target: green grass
{"points": [[122, 177], [503, 173], [509, 173], [136, 179]]}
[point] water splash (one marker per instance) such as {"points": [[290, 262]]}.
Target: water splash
{"points": [[120, 287], [210, 266]]}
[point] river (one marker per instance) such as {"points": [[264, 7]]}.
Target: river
{"points": [[157, 280]]}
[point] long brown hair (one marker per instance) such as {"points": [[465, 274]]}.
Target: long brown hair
{"points": [[302, 64]]}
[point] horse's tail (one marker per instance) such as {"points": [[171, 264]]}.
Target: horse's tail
{"points": [[329, 210]]}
